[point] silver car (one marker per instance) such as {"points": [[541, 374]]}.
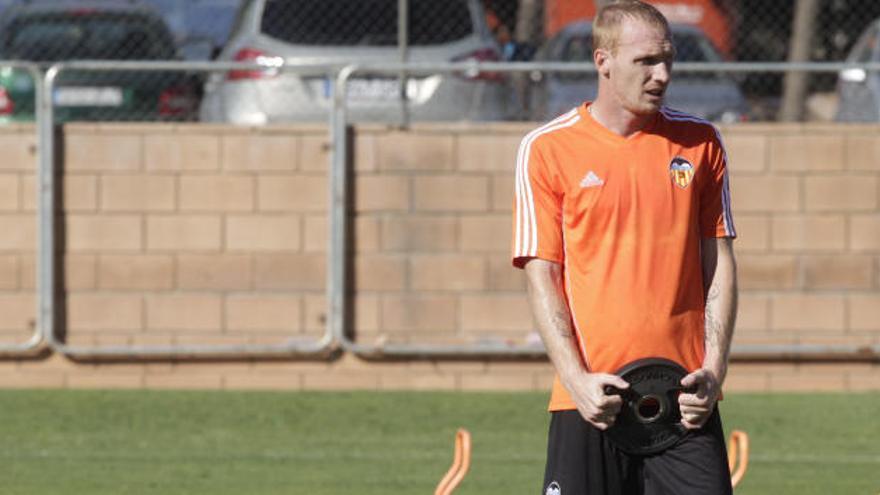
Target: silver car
{"points": [[711, 96], [273, 32], [858, 90]]}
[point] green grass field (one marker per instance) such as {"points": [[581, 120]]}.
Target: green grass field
{"points": [[95, 442]]}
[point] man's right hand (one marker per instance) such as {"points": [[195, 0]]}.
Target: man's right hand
{"points": [[587, 390]]}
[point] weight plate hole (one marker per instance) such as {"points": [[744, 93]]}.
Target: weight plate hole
{"points": [[649, 408]]}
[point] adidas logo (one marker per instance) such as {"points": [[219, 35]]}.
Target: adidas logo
{"points": [[591, 180]]}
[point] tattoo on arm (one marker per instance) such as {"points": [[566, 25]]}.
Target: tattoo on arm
{"points": [[714, 292], [714, 327], [562, 324]]}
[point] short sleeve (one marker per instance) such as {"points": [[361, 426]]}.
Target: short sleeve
{"points": [[537, 209], [716, 217]]}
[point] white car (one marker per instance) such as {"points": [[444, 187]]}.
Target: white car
{"points": [[272, 32], [858, 90]]}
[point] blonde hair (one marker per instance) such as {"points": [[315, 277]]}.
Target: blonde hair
{"points": [[606, 26]]}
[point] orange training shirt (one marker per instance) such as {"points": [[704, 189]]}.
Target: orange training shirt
{"points": [[624, 217]]}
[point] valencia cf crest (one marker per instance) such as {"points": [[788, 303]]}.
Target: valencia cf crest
{"points": [[681, 171]]}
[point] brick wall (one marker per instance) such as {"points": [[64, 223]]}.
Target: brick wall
{"points": [[806, 200], [192, 234], [209, 234], [432, 210], [18, 243]]}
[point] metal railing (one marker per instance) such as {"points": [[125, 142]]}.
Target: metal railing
{"points": [[48, 302], [751, 352], [335, 331], [36, 341]]}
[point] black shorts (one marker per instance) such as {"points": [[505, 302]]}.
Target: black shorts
{"points": [[582, 461]]}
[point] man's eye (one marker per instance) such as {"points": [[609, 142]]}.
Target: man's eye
{"points": [[654, 61]]}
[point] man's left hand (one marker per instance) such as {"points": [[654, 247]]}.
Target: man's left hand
{"points": [[698, 406]]}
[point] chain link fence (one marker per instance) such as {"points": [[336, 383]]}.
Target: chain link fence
{"points": [[271, 32]]}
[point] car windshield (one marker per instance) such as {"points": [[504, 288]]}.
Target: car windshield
{"points": [[865, 47], [93, 37], [189, 20], [693, 48], [688, 48], [364, 22]]}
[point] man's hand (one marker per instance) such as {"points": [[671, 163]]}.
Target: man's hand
{"points": [[549, 305], [697, 407], [587, 390]]}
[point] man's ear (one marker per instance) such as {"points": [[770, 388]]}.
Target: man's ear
{"points": [[602, 59]]}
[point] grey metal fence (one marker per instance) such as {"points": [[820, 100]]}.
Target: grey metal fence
{"points": [[453, 74], [339, 278], [337, 274], [351, 31], [22, 215]]}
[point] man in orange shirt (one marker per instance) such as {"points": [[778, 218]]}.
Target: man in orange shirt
{"points": [[622, 222]]}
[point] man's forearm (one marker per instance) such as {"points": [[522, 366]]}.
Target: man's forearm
{"points": [[721, 304], [553, 317]]}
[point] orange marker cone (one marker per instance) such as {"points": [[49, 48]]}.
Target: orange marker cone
{"points": [[461, 462], [738, 450]]}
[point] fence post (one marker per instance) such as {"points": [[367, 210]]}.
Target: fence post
{"points": [[795, 89]]}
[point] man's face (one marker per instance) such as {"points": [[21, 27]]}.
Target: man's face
{"points": [[639, 70]]}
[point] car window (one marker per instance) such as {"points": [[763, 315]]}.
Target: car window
{"points": [[240, 16], [212, 19], [95, 37], [5, 4], [364, 22], [688, 48], [692, 48], [866, 47], [578, 49]]}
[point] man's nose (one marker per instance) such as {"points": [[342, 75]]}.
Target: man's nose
{"points": [[661, 73]]}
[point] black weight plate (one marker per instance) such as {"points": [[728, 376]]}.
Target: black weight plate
{"points": [[649, 420]]}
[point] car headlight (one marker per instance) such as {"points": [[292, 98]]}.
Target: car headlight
{"points": [[854, 75], [731, 117]]}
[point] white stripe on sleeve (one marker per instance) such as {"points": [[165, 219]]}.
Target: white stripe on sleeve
{"points": [[526, 223]]}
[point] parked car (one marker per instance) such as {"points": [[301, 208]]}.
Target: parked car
{"points": [[858, 90], [200, 27], [711, 96], [272, 32], [52, 31]]}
